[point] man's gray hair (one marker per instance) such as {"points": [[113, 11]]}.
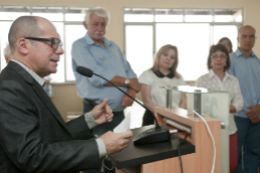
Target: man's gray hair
{"points": [[24, 26], [99, 11], [7, 51]]}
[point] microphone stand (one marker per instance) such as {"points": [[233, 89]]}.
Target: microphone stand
{"points": [[153, 135], [157, 124]]}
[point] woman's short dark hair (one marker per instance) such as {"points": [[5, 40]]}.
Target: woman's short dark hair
{"points": [[229, 41], [215, 48]]}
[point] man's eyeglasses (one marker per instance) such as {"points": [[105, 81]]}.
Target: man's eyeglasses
{"points": [[55, 42], [216, 56]]}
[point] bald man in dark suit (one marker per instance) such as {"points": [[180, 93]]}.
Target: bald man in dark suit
{"points": [[33, 136]]}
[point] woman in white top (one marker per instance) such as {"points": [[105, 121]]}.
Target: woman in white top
{"points": [[219, 79], [163, 73]]}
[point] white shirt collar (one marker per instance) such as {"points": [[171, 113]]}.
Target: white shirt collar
{"points": [[211, 74], [32, 73]]}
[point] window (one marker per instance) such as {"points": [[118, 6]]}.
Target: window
{"points": [[193, 31], [67, 20], [168, 15], [198, 15], [139, 51], [70, 38], [4, 29], [190, 44], [138, 15], [228, 15]]}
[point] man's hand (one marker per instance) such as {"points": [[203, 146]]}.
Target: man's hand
{"points": [[116, 142], [102, 113], [135, 85], [253, 114], [127, 101]]}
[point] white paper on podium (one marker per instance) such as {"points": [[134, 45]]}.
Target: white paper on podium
{"points": [[124, 126]]}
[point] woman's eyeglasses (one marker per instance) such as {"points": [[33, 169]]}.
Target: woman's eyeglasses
{"points": [[216, 56]]}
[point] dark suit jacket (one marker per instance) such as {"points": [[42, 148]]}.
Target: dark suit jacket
{"points": [[33, 135]]}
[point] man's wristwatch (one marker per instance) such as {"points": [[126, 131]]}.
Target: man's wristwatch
{"points": [[127, 81]]}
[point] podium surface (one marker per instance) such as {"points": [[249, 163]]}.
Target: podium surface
{"points": [[142, 154]]}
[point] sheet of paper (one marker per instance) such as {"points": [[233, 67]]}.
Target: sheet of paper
{"points": [[124, 125]]}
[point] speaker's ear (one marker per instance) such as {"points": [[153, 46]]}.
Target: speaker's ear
{"points": [[23, 45]]}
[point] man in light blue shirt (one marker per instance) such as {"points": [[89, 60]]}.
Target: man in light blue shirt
{"points": [[245, 65], [104, 57]]}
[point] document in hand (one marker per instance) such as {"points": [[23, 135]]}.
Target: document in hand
{"points": [[124, 125]]}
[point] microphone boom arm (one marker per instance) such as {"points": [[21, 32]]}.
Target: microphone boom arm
{"points": [[151, 135], [157, 124]]}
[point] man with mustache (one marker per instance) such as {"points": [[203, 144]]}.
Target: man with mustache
{"points": [[104, 57]]}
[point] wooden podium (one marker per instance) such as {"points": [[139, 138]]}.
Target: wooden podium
{"points": [[198, 162]]}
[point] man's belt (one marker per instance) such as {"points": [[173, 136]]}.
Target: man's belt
{"points": [[89, 102]]}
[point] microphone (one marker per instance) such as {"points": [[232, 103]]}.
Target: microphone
{"points": [[89, 73], [157, 134], [84, 71]]}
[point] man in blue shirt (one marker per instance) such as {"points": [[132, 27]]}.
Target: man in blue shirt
{"points": [[246, 67], [104, 57]]}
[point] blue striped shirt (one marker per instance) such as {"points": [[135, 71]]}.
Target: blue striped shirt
{"points": [[247, 71], [107, 62]]}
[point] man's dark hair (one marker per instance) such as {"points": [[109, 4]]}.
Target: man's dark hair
{"points": [[221, 48], [229, 41], [25, 26]]}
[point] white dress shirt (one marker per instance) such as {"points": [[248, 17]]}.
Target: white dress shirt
{"points": [[230, 84], [158, 95]]}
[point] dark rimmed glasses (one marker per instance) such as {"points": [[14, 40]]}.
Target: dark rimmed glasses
{"points": [[55, 42]]}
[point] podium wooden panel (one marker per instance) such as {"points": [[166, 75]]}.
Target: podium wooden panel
{"points": [[198, 162]]}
